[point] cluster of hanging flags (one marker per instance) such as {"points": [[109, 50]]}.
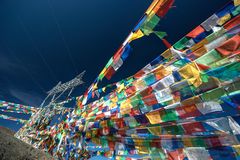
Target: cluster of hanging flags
{"points": [[184, 105]]}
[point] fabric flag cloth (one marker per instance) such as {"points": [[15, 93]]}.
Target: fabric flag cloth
{"points": [[183, 105]]}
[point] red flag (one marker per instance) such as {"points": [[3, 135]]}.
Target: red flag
{"points": [[194, 127], [232, 23], [139, 74], [202, 67], [194, 33], [231, 46], [164, 8], [146, 91], [109, 73], [150, 100], [118, 54], [166, 43]]}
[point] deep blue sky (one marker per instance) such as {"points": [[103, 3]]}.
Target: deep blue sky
{"points": [[46, 41]]}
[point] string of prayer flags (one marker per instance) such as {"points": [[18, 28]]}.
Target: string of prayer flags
{"points": [[144, 27], [182, 105], [16, 111], [2, 116], [14, 105]]}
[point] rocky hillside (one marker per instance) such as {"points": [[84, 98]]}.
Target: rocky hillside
{"points": [[13, 149]]}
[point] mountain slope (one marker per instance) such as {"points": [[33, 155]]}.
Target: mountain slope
{"points": [[13, 149]]}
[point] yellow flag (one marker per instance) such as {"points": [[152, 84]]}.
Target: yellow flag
{"points": [[112, 104], [136, 35], [155, 130], [142, 150], [191, 73], [155, 3], [138, 142], [154, 117], [140, 84], [114, 99], [167, 54], [224, 19], [187, 142], [237, 149], [120, 88], [199, 44], [103, 124], [103, 71], [96, 141], [84, 114], [125, 107], [95, 86], [191, 101], [104, 89], [236, 2]]}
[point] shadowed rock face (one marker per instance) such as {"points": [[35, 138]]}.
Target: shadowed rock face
{"points": [[13, 149]]}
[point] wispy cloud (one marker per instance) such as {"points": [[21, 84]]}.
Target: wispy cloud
{"points": [[29, 98], [7, 64], [10, 68]]}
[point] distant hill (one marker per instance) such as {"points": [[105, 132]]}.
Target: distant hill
{"points": [[13, 149]]}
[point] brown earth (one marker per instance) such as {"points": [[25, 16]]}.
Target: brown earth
{"points": [[12, 148]]}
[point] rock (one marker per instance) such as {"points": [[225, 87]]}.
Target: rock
{"points": [[12, 148]]}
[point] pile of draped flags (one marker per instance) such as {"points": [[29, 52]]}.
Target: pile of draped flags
{"points": [[185, 104]]}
